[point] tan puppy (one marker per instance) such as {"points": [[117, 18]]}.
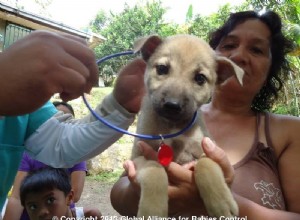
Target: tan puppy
{"points": [[180, 76]]}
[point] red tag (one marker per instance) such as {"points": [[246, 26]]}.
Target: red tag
{"points": [[165, 154]]}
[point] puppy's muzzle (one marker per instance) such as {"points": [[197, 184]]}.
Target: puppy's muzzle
{"points": [[172, 110], [172, 107]]}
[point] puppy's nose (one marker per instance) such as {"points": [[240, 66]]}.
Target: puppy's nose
{"points": [[172, 106]]}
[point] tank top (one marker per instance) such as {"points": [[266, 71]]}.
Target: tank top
{"points": [[256, 175]]}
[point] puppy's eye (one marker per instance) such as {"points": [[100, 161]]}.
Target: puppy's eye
{"points": [[162, 69], [200, 78]]}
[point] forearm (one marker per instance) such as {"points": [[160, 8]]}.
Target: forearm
{"points": [[124, 198], [13, 210], [73, 141], [254, 211]]}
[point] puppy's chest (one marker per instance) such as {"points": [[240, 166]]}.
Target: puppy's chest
{"points": [[186, 147]]}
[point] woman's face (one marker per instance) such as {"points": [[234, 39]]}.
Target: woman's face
{"points": [[248, 45]]}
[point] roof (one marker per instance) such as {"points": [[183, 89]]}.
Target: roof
{"points": [[36, 22]]}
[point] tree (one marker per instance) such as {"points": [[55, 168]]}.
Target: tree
{"points": [[201, 26], [121, 30], [289, 10]]}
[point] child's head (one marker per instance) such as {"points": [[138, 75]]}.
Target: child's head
{"points": [[46, 193]]}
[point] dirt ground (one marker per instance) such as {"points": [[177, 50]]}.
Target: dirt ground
{"points": [[97, 194]]}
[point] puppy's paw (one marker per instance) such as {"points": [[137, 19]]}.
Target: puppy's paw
{"points": [[225, 206]]}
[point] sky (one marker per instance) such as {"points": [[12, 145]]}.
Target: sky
{"points": [[78, 13]]}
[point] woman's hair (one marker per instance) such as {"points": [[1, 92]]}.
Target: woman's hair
{"points": [[57, 103], [280, 46], [45, 179]]}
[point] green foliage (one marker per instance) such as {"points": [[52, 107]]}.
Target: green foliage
{"points": [[146, 18], [291, 109], [120, 31], [189, 14], [203, 25]]}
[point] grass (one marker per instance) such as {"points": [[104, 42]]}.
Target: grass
{"points": [[107, 177]]}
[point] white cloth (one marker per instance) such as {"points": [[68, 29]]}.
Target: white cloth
{"points": [[63, 141], [79, 212]]}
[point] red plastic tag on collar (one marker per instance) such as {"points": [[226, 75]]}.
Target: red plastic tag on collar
{"points": [[165, 154]]}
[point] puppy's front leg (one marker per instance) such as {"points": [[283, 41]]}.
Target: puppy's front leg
{"points": [[153, 180], [213, 189]]}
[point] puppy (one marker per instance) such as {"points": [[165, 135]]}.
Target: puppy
{"points": [[180, 76]]}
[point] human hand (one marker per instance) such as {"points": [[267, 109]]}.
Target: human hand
{"points": [[129, 87], [42, 64], [182, 185]]}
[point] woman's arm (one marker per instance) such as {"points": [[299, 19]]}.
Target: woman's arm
{"points": [[254, 211], [285, 132], [182, 188]]}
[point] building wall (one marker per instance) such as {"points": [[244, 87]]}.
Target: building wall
{"points": [[2, 33]]}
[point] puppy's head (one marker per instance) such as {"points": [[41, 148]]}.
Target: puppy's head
{"points": [[181, 73]]}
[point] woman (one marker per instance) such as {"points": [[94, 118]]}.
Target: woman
{"points": [[262, 148]]}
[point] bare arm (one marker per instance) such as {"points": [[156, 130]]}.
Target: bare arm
{"points": [[14, 208], [125, 194], [286, 141], [77, 183], [183, 188], [254, 211]]}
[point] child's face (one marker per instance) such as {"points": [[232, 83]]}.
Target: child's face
{"points": [[48, 204]]}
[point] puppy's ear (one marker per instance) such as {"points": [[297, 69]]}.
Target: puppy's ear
{"points": [[147, 46], [227, 68]]}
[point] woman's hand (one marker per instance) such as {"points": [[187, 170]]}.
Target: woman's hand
{"points": [[182, 185]]}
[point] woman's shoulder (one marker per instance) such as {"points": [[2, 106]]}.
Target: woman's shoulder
{"points": [[283, 120], [284, 130]]}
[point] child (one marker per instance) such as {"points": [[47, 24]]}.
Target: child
{"points": [[47, 194], [14, 209]]}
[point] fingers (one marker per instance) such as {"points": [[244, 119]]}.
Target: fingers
{"points": [[147, 151], [178, 173], [70, 52], [129, 86], [137, 66], [218, 155], [130, 170], [78, 48]]}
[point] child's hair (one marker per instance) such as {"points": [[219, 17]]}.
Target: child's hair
{"points": [[45, 179]]}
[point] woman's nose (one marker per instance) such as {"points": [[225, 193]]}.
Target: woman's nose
{"points": [[239, 56]]}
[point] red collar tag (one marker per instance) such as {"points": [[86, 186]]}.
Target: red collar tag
{"points": [[165, 154]]}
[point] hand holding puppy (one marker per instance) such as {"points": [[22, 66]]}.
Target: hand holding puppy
{"points": [[182, 184]]}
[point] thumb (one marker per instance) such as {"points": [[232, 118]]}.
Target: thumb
{"points": [[147, 151], [130, 169], [219, 156]]}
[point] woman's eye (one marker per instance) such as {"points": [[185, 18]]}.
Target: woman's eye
{"points": [[200, 79], [257, 50], [162, 69], [228, 46]]}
